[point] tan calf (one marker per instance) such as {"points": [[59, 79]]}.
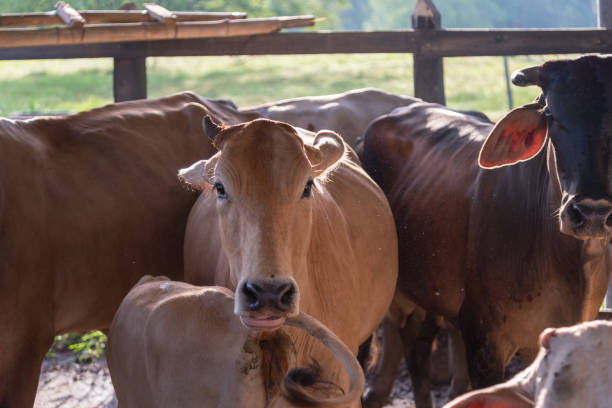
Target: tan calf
{"points": [[172, 344]]}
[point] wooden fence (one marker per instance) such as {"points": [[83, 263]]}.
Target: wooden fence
{"points": [[426, 41]]}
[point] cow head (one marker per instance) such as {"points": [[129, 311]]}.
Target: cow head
{"points": [[571, 370], [266, 181], [574, 113]]}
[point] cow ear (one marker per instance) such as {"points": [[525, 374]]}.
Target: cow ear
{"points": [[517, 137], [326, 151], [211, 128], [200, 174]]}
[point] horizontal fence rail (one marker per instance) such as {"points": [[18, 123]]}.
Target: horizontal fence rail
{"points": [[443, 43]]}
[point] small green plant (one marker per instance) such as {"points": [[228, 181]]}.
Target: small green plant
{"points": [[86, 347]]}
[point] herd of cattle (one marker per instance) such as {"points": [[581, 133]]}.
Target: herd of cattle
{"points": [[260, 248]]}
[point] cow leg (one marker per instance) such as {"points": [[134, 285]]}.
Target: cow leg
{"points": [[363, 353], [20, 360], [376, 396], [485, 360], [418, 336], [460, 382]]}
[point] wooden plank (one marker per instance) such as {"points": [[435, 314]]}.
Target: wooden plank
{"points": [[467, 42], [159, 13], [10, 38], [428, 69], [604, 20], [30, 19], [110, 16], [429, 79], [481, 42], [129, 79], [604, 13], [69, 16]]}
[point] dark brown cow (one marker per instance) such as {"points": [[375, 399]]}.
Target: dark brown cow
{"points": [[513, 250], [89, 204]]}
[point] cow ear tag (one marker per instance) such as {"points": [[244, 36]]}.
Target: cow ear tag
{"points": [[517, 137]]}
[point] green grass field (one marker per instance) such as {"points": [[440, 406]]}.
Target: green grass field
{"points": [[44, 86]]}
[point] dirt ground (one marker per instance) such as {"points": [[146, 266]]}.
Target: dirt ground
{"points": [[65, 384]]}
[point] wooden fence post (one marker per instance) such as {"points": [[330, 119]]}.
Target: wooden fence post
{"points": [[129, 79], [428, 70], [604, 20]]}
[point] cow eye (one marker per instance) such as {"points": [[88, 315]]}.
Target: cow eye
{"points": [[307, 189], [220, 190]]}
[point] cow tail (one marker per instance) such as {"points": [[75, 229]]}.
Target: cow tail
{"points": [[299, 383]]}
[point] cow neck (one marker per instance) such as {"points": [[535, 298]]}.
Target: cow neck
{"points": [[278, 356], [595, 255]]}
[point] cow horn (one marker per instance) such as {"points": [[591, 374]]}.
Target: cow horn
{"points": [[210, 127], [527, 76], [318, 330]]}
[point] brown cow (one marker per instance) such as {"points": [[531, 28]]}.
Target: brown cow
{"points": [[573, 369], [292, 223], [172, 344], [486, 247], [89, 204], [348, 113]]}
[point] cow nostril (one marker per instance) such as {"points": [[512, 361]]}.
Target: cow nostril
{"points": [[251, 294], [575, 215], [287, 293]]}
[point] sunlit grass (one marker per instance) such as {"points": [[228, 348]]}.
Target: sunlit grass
{"points": [[41, 86]]}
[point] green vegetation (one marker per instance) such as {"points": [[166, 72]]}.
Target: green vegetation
{"points": [[86, 347], [476, 83]]}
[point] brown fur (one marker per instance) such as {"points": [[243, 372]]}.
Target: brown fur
{"points": [[323, 242], [89, 203]]}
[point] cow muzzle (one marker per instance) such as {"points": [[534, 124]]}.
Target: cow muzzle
{"points": [[265, 303], [586, 218]]}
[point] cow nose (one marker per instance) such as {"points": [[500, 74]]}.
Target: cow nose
{"points": [[588, 218], [280, 297]]}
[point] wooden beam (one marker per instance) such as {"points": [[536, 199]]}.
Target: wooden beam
{"points": [[10, 38], [432, 42], [604, 13], [428, 69], [129, 79], [160, 13], [110, 16], [69, 16]]}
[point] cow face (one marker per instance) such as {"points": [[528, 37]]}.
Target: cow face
{"points": [[266, 182], [575, 113]]}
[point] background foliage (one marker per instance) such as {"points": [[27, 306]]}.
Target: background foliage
{"points": [[371, 14]]}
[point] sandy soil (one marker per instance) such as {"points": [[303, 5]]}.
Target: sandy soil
{"points": [[64, 383]]}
